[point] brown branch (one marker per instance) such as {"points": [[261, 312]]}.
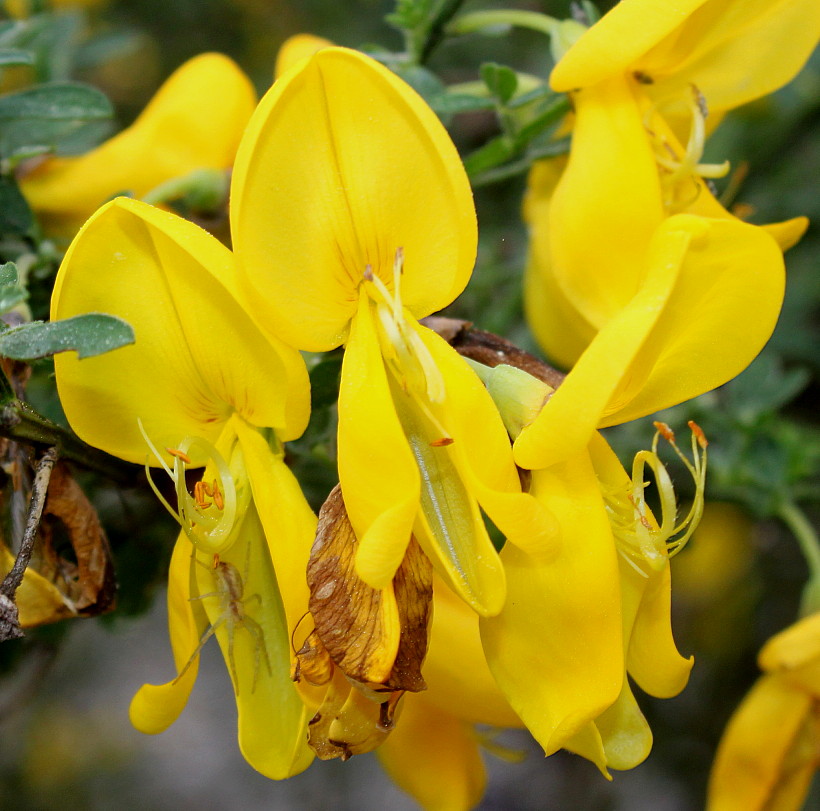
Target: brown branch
{"points": [[9, 619]]}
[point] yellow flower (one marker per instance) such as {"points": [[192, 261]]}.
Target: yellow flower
{"points": [[733, 51], [768, 754], [601, 607], [351, 218], [632, 197], [180, 131], [206, 385]]}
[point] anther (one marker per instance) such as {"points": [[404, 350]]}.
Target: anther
{"points": [[698, 432], [443, 442], [183, 457], [218, 500], [665, 431]]}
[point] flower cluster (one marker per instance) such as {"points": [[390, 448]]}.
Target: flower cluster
{"points": [[485, 559]]}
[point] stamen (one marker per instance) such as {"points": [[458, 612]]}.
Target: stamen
{"points": [[641, 541], [408, 356], [677, 169], [214, 532]]}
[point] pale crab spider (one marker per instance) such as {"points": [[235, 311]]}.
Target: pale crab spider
{"points": [[230, 588]]}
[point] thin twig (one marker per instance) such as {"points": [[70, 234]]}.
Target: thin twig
{"points": [[9, 618]]}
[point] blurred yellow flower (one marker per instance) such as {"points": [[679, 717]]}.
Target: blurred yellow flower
{"points": [[179, 132], [769, 751]]}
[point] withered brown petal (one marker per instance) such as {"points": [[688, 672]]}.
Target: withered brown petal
{"points": [[350, 617], [313, 663], [351, 720], [94, 590]]}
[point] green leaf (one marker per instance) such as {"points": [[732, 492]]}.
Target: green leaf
{"points": [[9, 274], [492, 154], [501, 81], [13, 56], [423, 81], [46, 115], [453, 103], [58, 101], [88, 335], [15, 215], [10, 296]]}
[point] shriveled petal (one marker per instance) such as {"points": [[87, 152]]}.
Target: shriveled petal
{"points": [[197, 357], [618, 40], [180, 130], [556, 649], [434, 757], [296, 48], [156, 706], [704, 278], [607, 204], [257, 651], [377, 471], [458, 679], [749, 766], [341, 165], [562, 332]]}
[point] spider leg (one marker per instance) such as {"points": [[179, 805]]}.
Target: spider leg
{"points": [[260, 649], [208, 633]]}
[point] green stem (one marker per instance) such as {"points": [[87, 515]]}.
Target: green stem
{"points": [[795, 519], [20, 422], [423, 43], [478, 20]]}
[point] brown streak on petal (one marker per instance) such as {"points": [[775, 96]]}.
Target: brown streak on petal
{"points": [[413, 584]]}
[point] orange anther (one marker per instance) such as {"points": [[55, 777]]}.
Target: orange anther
{"points": [[698, 432], [443, 442], [207, 489], [199, 496], [217, 494], [183, 457], [216, 560], [665, 431]]}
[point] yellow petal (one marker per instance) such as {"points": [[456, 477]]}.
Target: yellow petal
{"points": [[156, 706], [257, 650], [377, 471], [560, 329], [434, 757], [180, 130], [794, 654], [734, 51], [652, 656], [704, 277], [288, 521], [197, 355], [296, 48], [38, 601], [750, 759], [481, 453], [618, 40], [626, 736], [607, 204], [341, 165], [556, 649], [458, 679]]}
